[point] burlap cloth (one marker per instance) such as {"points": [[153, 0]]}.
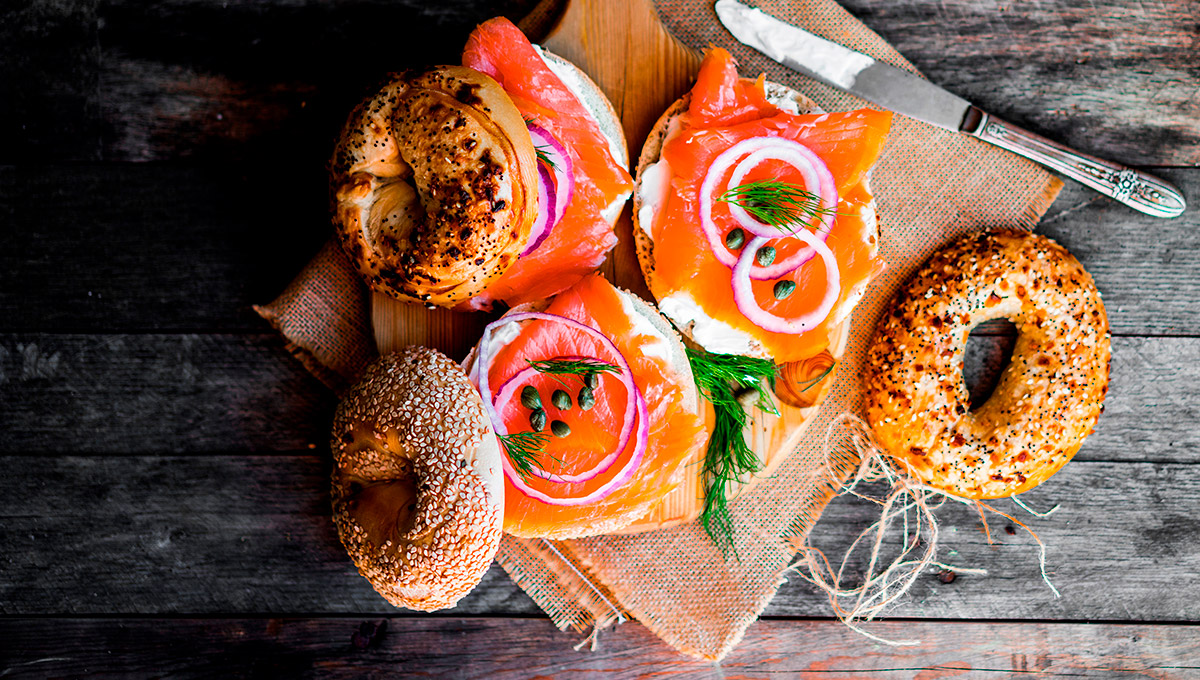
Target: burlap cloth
{"points": [[931, 185]]}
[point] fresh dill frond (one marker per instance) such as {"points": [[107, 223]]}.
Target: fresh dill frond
{"points": [[579, 367], [544, 156], [523, 449], [778, 204], [721, 378], [540, 151]]}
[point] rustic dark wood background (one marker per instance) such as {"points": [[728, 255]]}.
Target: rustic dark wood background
{"points": [[164, 506]]}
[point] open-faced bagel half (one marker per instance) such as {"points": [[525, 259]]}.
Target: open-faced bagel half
{"points": [[794, 386], [677, 433], [434, 183]]}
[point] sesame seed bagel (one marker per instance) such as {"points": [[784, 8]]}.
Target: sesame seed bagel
{"points": [[417, 495], [434, 185], [1047, 400]]}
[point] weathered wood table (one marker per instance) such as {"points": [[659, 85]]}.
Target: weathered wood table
{"points": [[164, 504]]}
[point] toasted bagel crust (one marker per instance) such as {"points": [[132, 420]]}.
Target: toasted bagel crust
{"points": [[1046, 402], [434, 185], [417, 495]]}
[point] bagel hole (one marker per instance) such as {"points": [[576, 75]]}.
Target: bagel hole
{"points": [[386, 509], [989, 349]]}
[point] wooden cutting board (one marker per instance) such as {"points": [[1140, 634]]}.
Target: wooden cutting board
{"points": [[643, 69]]}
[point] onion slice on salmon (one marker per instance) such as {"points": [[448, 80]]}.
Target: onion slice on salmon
{"points": [[641, 436], [509, 390], [743, 292], [545, 220], [554, 193], [818, 180]]}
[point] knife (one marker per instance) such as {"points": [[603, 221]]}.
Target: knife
{"points": [[918, 98]]}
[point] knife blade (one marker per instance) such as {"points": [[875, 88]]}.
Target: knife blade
{"points": [[915, 97]]}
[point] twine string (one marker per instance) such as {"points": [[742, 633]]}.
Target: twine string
{"points": [[909, 503]]}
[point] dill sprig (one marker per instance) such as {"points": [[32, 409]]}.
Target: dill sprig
{"points": [[579, 367], [540, 151], [523, 449], [722, 378], [544, 156], [779, 204]]}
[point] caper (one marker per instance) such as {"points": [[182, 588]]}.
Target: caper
{"points": [[530, 398], [561, 400], [784, 289], [587, 399], [560, 429], [592, 380], [735, 239], [765, 256], [537, 420]]}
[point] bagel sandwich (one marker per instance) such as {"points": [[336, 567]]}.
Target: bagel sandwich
{"points": [[495, 182], [754, 222]]}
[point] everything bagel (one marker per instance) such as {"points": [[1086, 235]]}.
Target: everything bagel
{"points": [[432, 183], [1046, 402]]}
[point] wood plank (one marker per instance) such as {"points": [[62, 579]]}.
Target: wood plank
{"points": [[50, 64], [1108, 77], [271, 81], [492, 648], [131, 394], [1147, 268], [192, 247], [227, 81], [202, 535], [124, 394], [107, 248], [251, 535]]}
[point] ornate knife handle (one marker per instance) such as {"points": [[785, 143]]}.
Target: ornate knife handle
{"points": [[1138, 190]]}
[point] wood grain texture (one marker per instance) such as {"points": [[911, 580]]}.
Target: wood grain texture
{"points": [[118, 81], [126, 394], [143, 247], [202, 535], [191, 247], [1107, 77], [252, 535], [482, 648], [141, 394], [154, 438], [1142, 265], [218, 81]]}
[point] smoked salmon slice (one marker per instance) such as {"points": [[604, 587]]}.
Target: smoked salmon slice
{"points": [[724, 110], [583, 237], [676, 426]]}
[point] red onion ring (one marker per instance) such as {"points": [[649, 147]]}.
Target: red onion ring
{"points": [[743, 293], [509, 389], [480, 374], [563, 183], [545, 220], [815, 172], [816, 176]]}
